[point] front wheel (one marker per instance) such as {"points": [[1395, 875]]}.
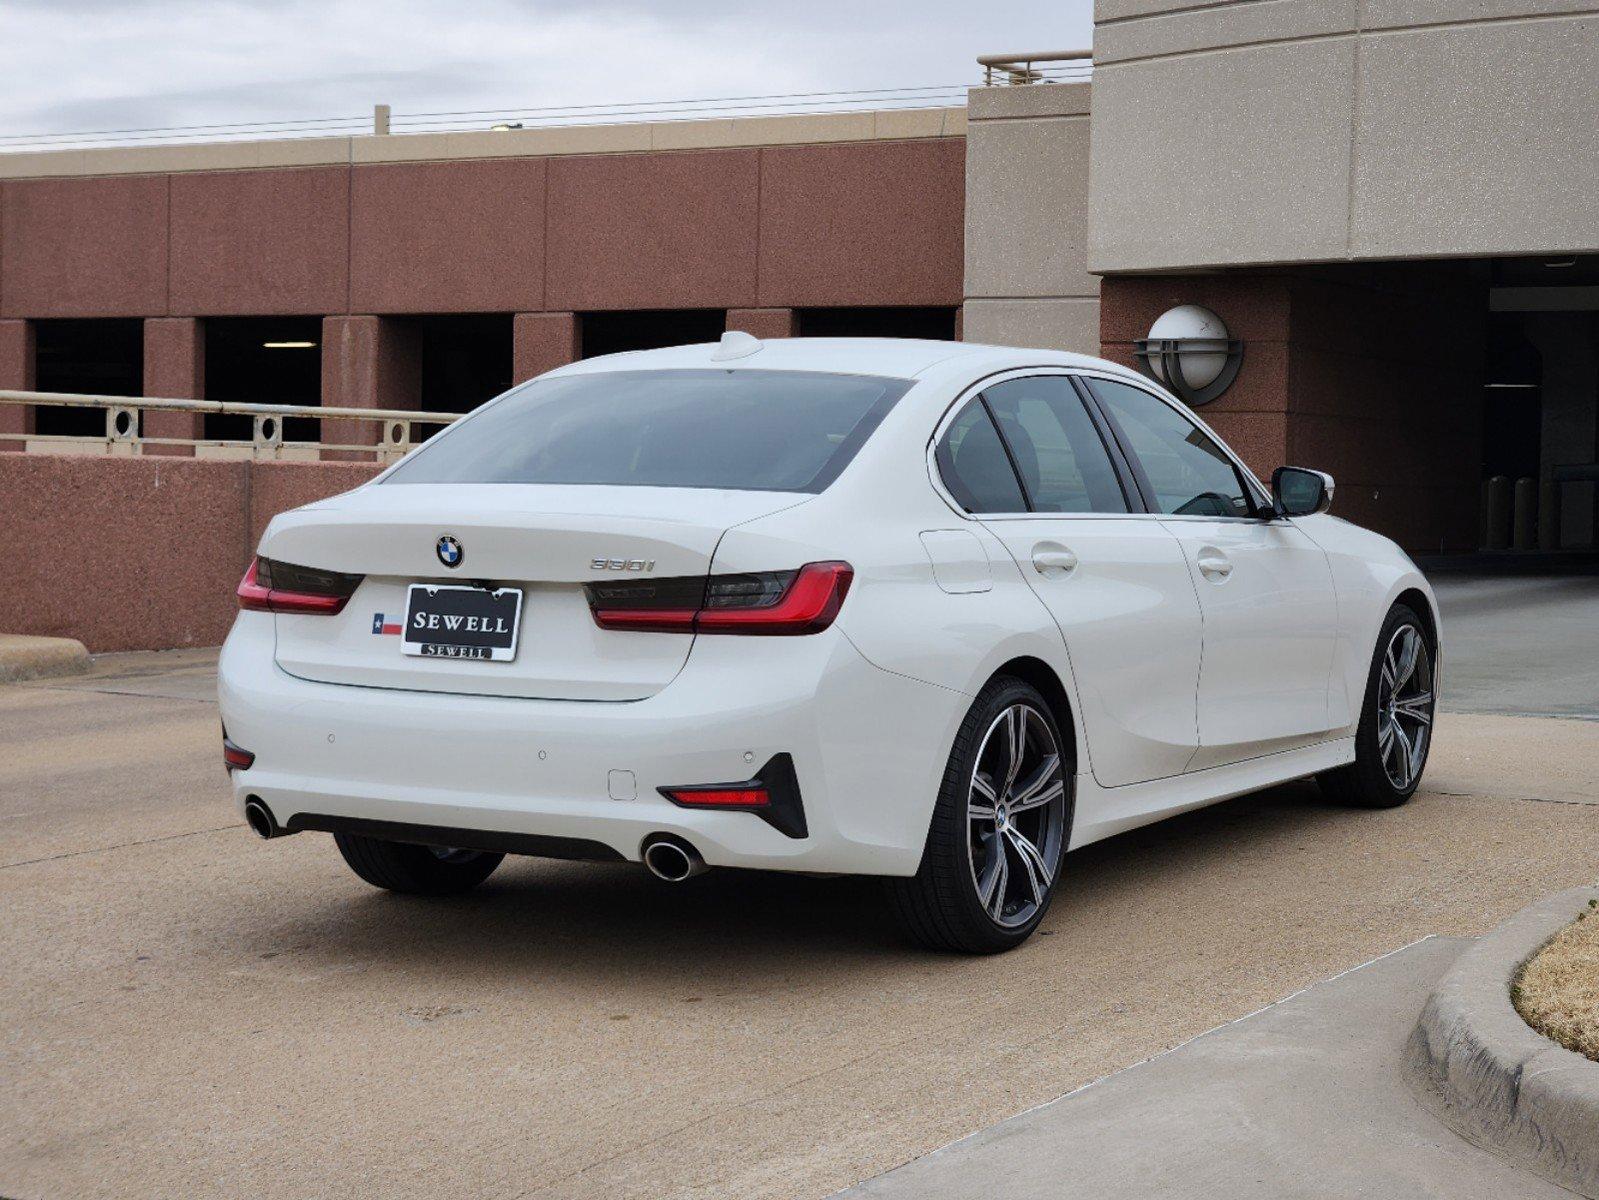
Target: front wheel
{"points": [[1396, 718], [419, 870], [999, 829]]}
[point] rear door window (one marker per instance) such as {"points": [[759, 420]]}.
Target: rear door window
{"points": [[1062, 460], [777, 431], [974, 465]]}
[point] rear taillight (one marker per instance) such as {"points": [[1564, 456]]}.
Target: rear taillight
{"points": [[767, 602], [272, 586], [660, 605]]}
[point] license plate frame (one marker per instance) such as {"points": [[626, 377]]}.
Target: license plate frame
{"points": [[452, 629]]}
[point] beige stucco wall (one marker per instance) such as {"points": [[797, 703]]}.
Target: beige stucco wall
{"points": [[1243, 132], [1027, 280]]}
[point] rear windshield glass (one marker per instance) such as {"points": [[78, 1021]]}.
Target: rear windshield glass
{"points": [[772, 431]]}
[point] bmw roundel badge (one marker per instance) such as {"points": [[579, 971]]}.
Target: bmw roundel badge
{"points": [[450, 552]]}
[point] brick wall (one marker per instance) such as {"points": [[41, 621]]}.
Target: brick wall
{"points": [[1371, 373], [140, 553]]}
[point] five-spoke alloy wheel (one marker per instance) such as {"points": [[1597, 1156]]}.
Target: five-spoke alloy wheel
{"points": [[999, 830], [1404, 706], [1016, 807], [1396, 719]]}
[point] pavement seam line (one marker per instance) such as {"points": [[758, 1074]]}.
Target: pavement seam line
{"points": [[141, 695], [171, 837], [1513, 799]]}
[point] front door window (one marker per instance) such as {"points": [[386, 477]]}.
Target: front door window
{"points": [[1189, 474]]}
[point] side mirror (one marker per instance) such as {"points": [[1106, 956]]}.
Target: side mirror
{"points": [[1301, 492]]}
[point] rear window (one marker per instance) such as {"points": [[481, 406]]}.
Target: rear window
{"points": [[769, 431]]}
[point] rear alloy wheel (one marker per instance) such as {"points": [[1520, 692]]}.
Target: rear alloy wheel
{"points": [[1396, 719], [999, 830], [418, 870]]}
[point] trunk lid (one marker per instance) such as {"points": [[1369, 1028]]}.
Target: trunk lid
{"points": [[541, 539]]}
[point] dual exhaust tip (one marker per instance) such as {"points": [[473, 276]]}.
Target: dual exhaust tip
{"points": [[260, 819], [669, 857], [666, 856]]}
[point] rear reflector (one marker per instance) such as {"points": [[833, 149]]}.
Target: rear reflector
{"points": [[773, 796], [768, 602], [234, 757], [719, 797], [271, 586]]}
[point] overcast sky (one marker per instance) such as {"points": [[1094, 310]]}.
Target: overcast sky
{"points": [[71, 65]]}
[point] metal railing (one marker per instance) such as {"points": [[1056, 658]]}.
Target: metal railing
{"points": [[125, 423], [385, 120], [1042, 66]]}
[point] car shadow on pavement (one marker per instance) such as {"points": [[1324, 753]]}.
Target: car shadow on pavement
{"points": [[615, 923]]}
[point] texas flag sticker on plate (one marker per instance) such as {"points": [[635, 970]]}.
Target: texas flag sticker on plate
{"points": [[381, 625]]}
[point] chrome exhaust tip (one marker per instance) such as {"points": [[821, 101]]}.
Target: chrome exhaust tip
{"points": [[260, 819], [672, 859]]}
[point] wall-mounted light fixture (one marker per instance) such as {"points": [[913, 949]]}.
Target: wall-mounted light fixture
{"points": [[288, 345], [1189, 351]]}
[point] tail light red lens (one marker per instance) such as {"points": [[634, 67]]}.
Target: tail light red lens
{"points": [[768, 602], [272, 586], [807, 604], [656, 605]]}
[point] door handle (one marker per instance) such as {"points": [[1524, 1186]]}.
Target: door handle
{"points": [[1052, 558], [1213, 564]]}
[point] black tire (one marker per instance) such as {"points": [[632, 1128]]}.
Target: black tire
{"points": [[939, 906], [1366, 782], [416, 870]]}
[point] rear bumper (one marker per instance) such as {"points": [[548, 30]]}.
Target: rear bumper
{"points": [[868, 747]]}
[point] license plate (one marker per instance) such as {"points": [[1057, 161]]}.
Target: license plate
{"points": [[461, 622]]}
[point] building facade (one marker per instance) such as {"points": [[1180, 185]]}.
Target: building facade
{"points": [[389, 272], [1394, 204], [1391, 205]]}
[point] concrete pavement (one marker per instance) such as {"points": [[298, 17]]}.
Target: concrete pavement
{"points": [[187, 1011], [1526, 645], [1303, 1099]]}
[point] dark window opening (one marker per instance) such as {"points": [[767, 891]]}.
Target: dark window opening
{"points": [[466, 360], [102, 357], [935, 323], [1512, 414], [263, 360], [614, 332]]}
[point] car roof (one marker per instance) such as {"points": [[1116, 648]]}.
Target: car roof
{"points": [[902, 358]]}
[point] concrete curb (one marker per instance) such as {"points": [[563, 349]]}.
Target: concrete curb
{"points": [[25, 657], [1490, 1077]]}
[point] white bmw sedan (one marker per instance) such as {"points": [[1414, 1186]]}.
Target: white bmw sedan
{"points": [[931, 611]]}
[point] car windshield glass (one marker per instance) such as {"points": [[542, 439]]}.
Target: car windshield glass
{"points": [[779, 431]]}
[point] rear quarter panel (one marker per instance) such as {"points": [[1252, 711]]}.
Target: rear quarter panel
{"points": [[897, 615]]}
